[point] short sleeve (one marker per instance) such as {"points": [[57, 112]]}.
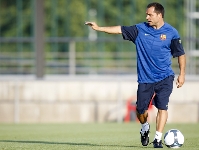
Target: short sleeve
{"points": [[129, 33], [176, 48]]}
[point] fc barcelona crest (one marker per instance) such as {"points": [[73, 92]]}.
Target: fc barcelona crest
{"points": [[163, 37]]}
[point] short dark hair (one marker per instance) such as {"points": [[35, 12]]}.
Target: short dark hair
{"points": [[158, 8]]}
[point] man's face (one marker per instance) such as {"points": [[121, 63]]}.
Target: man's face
{"points": [[152, 17]]}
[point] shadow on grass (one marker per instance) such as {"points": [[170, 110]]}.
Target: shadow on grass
{"points": [[66, 143]]}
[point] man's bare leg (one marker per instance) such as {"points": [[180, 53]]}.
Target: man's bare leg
{"points": [[145, 128], [142, 117], [161, 120]]}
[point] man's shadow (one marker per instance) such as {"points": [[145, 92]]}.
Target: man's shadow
{"points": [[67, 143]]}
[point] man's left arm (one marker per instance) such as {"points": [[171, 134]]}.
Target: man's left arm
{"points": [[182, 66]]}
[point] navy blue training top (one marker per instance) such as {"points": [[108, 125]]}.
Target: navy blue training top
{"points": [[154, 47]]}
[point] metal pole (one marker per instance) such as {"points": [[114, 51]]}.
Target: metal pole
{"points": [[72, 60], [19, 32], [16, 102], [39, 37], [119, 102]]}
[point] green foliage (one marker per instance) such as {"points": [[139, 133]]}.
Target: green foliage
{"points": [[65, 18], [16, 20]]}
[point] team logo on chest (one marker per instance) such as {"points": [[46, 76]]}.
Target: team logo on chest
{"points": [[163, 37]]}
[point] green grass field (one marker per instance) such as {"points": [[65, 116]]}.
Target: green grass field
{"points": [[107, 136]]}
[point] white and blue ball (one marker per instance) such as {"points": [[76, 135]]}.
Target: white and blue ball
{"points": [[173, 138]]}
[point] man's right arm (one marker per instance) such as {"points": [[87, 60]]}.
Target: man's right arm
{"points": [[110, 30]]}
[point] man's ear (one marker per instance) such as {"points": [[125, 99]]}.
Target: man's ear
{"points": [[160, 15]]}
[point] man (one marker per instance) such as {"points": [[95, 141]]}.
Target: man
{"points": [[156, 41]]}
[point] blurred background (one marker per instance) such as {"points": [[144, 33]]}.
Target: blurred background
{"points": [[53, 68]]}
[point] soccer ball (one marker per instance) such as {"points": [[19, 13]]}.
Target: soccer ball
{"points": [[173, 138]]}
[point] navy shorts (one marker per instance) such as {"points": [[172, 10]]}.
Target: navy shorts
{"points": [[162, 90]]}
